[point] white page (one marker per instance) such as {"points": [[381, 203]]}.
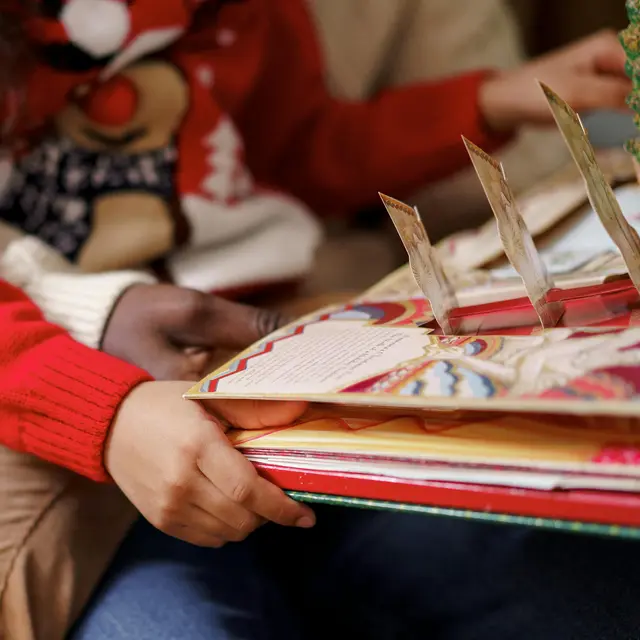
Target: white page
{"points": [[586, 240]]}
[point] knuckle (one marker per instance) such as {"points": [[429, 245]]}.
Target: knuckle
{"points": [[174, 489], [245, 527], [282, 513], [179, 471], [237, 536], [194, 305], [286, 510], [187, 452], [268, 320], [165, 519], [242, 489], [173, 492]]}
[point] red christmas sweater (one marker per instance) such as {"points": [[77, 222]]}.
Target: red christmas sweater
{"points": [[258, 62], [57, 397]]}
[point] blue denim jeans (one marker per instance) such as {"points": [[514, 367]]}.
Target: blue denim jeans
{"points": [[371, 575]]}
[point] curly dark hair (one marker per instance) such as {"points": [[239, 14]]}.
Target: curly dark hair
{"points": [[15, 51]]}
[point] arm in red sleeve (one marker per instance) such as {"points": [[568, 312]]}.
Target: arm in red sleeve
{"points": [[57, 397], [336, 155]]}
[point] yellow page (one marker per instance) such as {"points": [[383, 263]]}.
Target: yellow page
{"points": [[571, 444]]}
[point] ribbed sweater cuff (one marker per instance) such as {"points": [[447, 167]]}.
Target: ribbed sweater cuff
{"points": [[80, 302], [75, 393]]}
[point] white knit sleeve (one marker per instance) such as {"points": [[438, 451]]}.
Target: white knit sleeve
{"points": [[79, 302]]}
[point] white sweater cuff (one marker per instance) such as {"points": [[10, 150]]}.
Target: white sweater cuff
{"points": [[79, 302]]}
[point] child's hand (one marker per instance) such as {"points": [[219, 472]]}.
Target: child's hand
{"points": [[173, 461], [588, 74], [175, 333]]}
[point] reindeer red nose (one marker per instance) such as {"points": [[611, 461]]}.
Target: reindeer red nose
{"points": [[112, 103]]}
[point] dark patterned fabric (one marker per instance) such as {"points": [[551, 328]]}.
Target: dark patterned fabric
{"points": [[52, 191]]}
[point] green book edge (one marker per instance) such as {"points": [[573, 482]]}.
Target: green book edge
{"points": [[569, 526]]}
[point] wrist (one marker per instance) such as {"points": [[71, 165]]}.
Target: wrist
{"points": [[120, 417], [104, 343], [495, 104], [120, 439], [122, 328]]}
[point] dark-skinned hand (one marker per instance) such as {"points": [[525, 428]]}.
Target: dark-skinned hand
{"points": [[181, 334]]}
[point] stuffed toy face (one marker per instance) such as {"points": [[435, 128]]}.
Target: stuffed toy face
{"points": [[133, 116], [101, 190], [137, 110]]}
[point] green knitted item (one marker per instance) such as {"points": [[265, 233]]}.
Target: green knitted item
{"points": [[633, 147], [630, 40], [633, 11]]}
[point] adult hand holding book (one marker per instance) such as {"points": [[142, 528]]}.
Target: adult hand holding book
{"points": [[408, 418], [179, 469]]}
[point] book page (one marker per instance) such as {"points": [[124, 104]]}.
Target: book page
{"points": [[605, 454], [515, 237], [597, 185], [369, 362], [543, 207], [424, 262], [579, 255], [324, 358], [540, 210], [586, 242]]}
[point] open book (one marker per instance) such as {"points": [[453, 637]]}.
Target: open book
{"points": [[512, 411]]}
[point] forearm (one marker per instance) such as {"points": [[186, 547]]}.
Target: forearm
{"points": [[336, 155], [397, 143], [57, 397]]}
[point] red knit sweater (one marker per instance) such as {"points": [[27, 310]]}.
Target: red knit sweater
{"points": [[266, 72], [57, 397]]}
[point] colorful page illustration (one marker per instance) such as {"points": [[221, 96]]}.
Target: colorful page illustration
{"points": [[362, 360], [514, 235], [600, 193], [423, 260]]}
